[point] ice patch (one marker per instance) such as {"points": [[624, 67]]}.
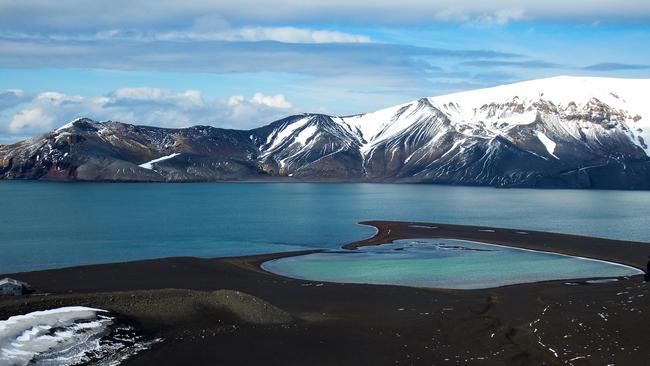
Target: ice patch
{"points": [[548, 143], [149, 164], [602, 280], [423, 227], [66, 336]]}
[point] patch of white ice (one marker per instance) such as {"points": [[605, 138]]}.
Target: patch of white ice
{"points": [[66, 336], [149, 164], [23, 337], [548, 143]]}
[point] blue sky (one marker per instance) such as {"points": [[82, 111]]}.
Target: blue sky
{"points": [[246, 63]]}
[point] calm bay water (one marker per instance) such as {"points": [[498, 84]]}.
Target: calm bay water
{"points": [[49, 225]]}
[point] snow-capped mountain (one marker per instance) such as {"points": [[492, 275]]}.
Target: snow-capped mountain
{"points": [[557, 132]]}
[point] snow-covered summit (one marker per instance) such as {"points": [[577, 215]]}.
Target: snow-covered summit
{"points": [[562, 90], [578, 102], [498, 109]]}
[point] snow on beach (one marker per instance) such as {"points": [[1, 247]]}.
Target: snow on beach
{"points": [[66, 336]]}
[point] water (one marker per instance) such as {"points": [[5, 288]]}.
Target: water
{"points": [[49, 225], [442, 263]]}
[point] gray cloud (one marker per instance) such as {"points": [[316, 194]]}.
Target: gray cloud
{"points": [[394, 64], [170, 14], [612, 66]]}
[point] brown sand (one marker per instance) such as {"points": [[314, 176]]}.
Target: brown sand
{"points": [[293, 322]]}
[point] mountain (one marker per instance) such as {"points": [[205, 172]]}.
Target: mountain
{"points": [[562, 132]]}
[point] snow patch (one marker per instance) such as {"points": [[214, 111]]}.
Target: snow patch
{"points": [[279, 136], [305, 135], [149, 165], [66, 336], [67, 125], [548, 143]]}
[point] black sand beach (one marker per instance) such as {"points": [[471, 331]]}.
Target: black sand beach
{"points": [[272, 320]]}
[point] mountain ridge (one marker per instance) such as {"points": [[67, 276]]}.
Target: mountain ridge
{"points": [[562, 132]]}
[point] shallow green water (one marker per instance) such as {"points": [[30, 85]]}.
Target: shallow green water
{"points": [[442, 263], [46, 225]]}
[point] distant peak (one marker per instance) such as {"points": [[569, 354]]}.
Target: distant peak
{"points": [[76, 123]]}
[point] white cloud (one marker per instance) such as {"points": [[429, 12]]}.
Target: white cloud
{"points": [[256, 34], [235, 100], [142, 93], [501, 17], [452, 15], [148, 106], [498, 17], [227, 33], [275, 101], [36, 116], [242, 109], [31, 120], [187, 99]]}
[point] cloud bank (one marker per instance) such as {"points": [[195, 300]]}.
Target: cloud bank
{"points": [[22, 114], [81, 14], [224, 33], [359, 63]]}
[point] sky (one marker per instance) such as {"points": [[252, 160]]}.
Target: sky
{"points": [[242, 64]]}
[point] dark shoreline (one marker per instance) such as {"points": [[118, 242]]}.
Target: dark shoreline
{"points": [[346, 324], [630, 253]]}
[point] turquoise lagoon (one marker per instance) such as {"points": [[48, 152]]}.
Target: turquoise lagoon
{"points": [[442, 263]]}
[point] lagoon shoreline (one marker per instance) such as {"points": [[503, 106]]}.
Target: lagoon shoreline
{"points": [[350, 324], [629, 253]]}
